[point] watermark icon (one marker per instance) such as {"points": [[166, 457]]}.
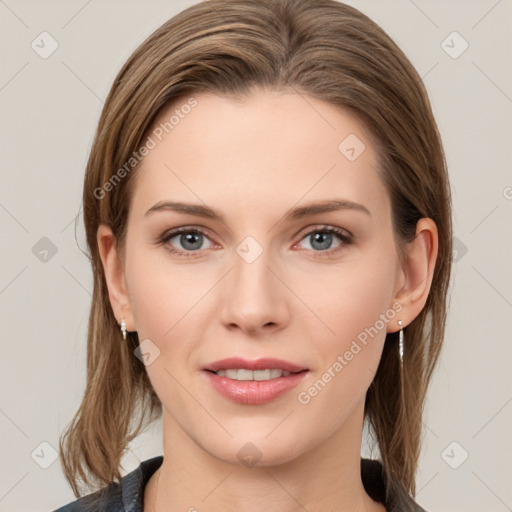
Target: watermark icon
{"points": [[147, 352], [459, 249], [157, 135], [454, 45], [454, 455], [249, 249], [44, 250], [351, 147], [44, 45], [305, 397], [44, 455], [249, 455], [507, 193]]}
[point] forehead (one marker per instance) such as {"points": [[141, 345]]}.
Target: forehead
{"points": [[268, 150]]}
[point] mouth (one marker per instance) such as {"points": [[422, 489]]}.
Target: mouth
{"points": [[254, 382], [242, 374]]}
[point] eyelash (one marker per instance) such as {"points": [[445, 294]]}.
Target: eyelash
{"points": [[345, 239]]}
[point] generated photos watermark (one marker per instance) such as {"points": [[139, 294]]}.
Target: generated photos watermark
{"points": [[157, 135], [357, 345]]}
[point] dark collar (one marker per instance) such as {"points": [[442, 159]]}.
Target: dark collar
{"points": [[374, 482], [128, 495]]}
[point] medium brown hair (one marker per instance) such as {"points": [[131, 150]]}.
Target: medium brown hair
{"points": [[321, 48]]}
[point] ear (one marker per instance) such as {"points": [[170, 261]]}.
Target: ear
{"points": [[114, 275], [416, 272]]}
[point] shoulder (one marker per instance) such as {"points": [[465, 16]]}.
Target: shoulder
{"points": [[374, 481], [127, 495]]}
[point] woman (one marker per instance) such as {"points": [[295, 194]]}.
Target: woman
{"points": [[268, 214]]}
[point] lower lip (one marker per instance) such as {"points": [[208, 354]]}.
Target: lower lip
{"points": [[254, 392]]}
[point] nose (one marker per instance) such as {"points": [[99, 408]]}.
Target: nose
{"points": [[254, 297]]}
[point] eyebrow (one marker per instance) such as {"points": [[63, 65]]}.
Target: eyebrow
{"points": [[300, 212]]}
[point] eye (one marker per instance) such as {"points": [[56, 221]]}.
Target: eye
{"points": [[321, 239], [188, 240]]}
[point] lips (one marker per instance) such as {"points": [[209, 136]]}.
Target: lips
{"points": [[254, 392], [266, 363]]}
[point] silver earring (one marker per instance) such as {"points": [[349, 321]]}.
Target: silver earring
{"points": [[123, 328], [401, 342]]}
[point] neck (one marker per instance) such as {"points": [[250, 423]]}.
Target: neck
{"points": [[326, 477]]}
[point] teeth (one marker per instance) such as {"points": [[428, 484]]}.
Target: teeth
{"points": [[243, 374]]}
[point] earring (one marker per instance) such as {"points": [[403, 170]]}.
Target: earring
{"points": [[123, 328], [401, 342]]}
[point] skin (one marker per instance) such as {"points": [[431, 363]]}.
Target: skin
{"points": [[253, 160]]}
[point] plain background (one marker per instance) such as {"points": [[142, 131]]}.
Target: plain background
{"points": [[49, 111]]}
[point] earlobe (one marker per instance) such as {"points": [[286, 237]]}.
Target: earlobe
{"points": [[418, 270], [114, 276]]}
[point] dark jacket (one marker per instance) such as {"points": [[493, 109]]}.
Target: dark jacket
{"points": [[128, 495]]}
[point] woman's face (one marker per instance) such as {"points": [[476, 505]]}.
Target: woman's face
{"points": [[260, 281]]}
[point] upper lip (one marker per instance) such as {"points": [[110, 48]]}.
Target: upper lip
{"points": [[265, 363]]}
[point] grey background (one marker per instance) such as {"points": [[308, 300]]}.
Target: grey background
{"points": [[49, 110]]}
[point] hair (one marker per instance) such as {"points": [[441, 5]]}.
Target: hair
{"points": [[320, 48]]}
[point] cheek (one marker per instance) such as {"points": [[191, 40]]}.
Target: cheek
{"points": [[349, 298], [349, 356], [162, 304], [161, 293], [152, 304], [167, 301]]}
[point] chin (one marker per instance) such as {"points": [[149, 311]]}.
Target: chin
{"points": [[256, 453]]}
